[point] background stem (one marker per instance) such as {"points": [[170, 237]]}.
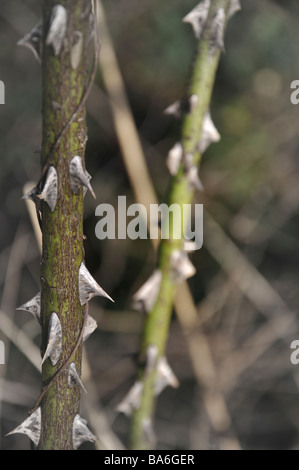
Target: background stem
{"points": [[157, 322]]}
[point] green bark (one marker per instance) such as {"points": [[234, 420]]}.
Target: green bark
{"points": [[63, 89]]}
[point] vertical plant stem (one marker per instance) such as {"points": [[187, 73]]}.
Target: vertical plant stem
{"points": [[157, 322], [62, 254]]}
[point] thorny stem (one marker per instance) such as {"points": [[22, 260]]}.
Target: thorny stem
{"points": [[80, 106], [157, 322], [64, 136], [64, 366]]}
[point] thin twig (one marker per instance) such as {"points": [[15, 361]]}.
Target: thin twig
{"points": [[20, 340]]}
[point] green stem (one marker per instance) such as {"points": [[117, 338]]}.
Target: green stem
{"points": [[157, 323]]}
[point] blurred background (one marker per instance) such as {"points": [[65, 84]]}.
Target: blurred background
{"points": [[238, 387]]}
